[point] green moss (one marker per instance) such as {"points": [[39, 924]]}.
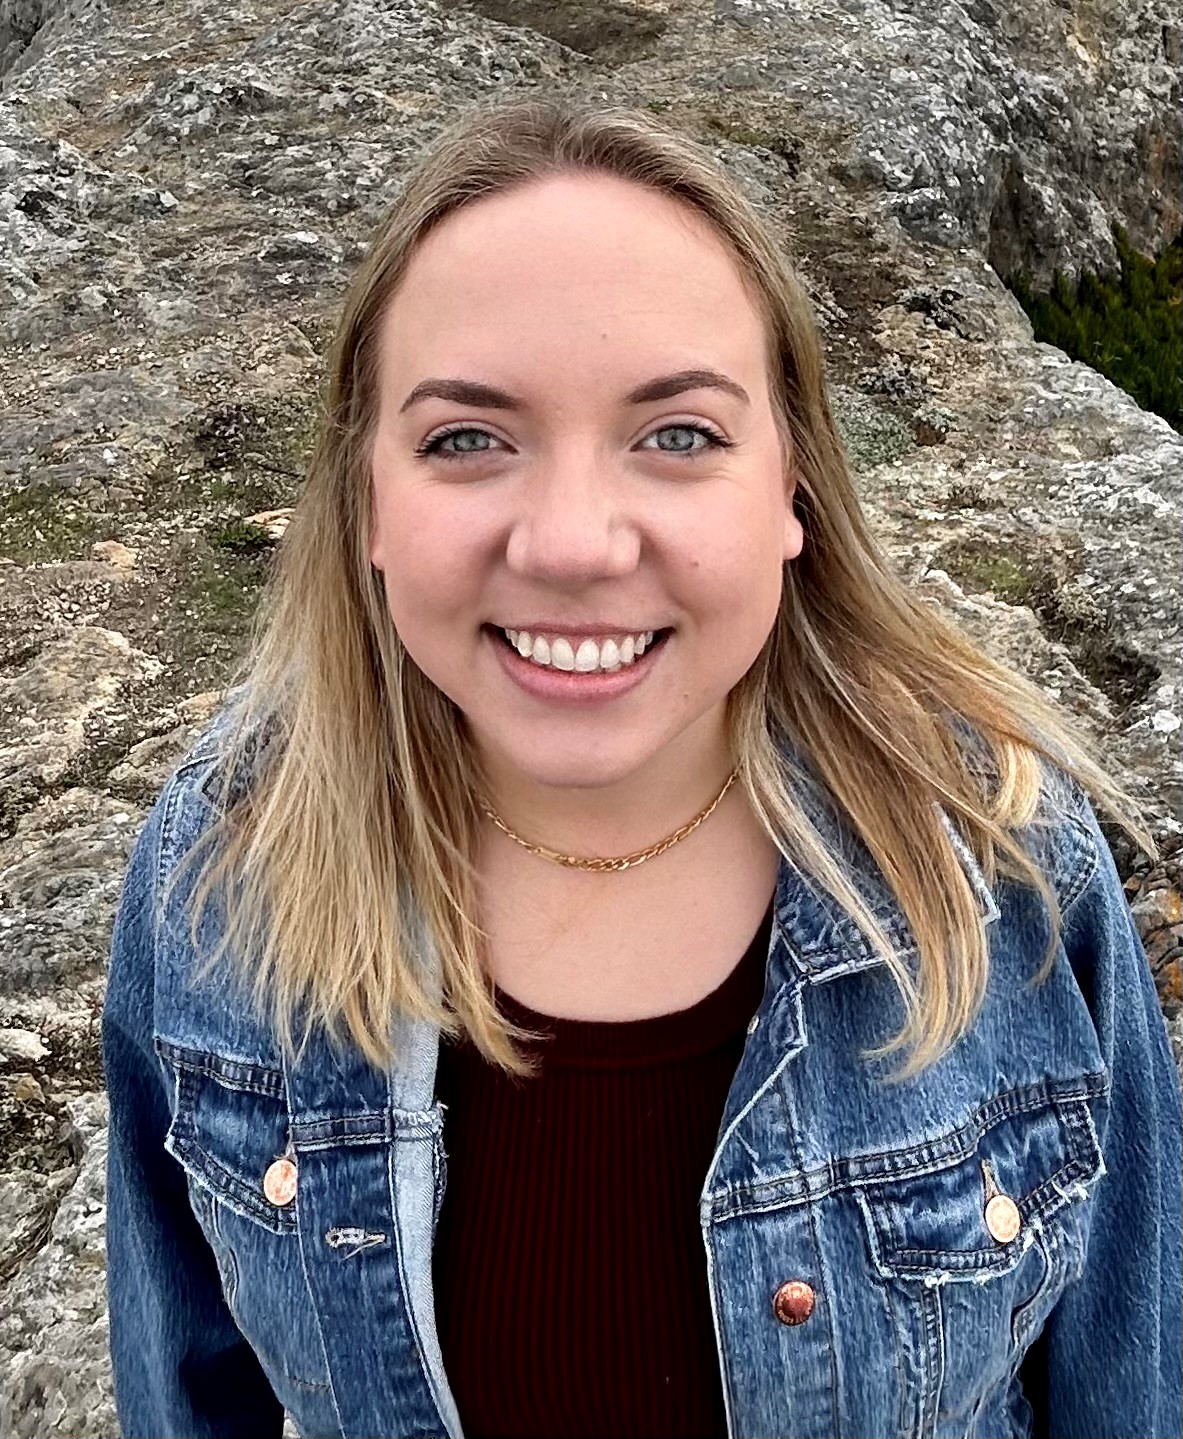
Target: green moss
{"points": [[208, 615], [742, 133], [612, 31], [1128, 325], [241, 537], [39, 524], [1044, 585], [1005, 576], [871, 434], [239, 458]]}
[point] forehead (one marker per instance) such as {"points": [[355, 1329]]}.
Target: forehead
{"points": [[589, 268]]}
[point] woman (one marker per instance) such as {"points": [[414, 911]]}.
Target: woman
{"points": [[653, 975]]}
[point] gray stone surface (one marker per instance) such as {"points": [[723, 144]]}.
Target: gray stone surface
{"points": [[184, 192]]}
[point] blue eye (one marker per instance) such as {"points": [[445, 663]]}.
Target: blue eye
{"points": [[431, 446], [715, 441]]}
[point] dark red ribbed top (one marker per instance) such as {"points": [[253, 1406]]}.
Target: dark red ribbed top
{"points": [[569, 1270]]}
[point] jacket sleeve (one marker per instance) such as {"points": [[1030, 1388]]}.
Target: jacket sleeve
{"points": [[1110, 1359], [181, 1366]]}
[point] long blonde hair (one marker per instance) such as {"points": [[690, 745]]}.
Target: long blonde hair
{"points": [[365, 815]]}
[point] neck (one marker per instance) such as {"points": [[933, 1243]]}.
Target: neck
{"points": [[619, 816]]}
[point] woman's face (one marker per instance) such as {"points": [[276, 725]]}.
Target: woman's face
{"points": [[570, 503]]}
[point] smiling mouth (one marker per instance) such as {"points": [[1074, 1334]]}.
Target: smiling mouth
{"points": [[577, 660]]}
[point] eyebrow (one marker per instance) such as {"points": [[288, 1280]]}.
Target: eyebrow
{"points": [[489, 397]]}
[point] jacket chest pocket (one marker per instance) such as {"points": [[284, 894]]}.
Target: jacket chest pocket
{"points": [[974, 1252], [230, 1133]]}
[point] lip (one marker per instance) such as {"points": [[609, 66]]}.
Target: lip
{"points": [[569, 686], [592, 631]]}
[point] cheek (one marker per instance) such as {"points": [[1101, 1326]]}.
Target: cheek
{"points": [[425, 597], [741, 575], [745, 590], [427, 556]]}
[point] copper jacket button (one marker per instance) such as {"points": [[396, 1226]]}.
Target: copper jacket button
{"points": [[279, 1183], [793, 1302], [1003, 1219]]}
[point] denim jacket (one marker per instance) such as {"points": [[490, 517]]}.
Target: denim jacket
{"points": [[992, 1248]]}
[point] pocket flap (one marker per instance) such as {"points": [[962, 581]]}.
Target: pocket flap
{"points": [[980, 1214], [230, 1125]]}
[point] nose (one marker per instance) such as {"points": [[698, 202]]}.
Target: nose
{"points": [[570, 527]]}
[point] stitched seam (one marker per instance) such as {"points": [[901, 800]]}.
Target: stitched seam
{"points": [[934, 1334], [231, 1257], [350, 1141], [943, 1153], [901, 1375], [184, 1144], [158, 871], [794, 996], [200, 759], [239, 1075], [1039, 1205], [1021, 1318], [400, 1262], [850, 940], [228, 1187], [1080, 881], [370, 1126], [723, 1351], [313, 1384], [784, 1090], [330, 1387]]}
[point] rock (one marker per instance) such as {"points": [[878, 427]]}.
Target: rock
{"points": [[273, 521], [26, 1090], [1159, 909], [53, 695], [115, 554], [149, 763], [181, 206], [60, 875], [63, 1387], [21, 1044]]}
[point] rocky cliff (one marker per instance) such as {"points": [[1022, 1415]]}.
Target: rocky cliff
{"points": [[185, 188]]}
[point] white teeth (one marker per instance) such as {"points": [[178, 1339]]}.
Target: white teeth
{"points": [[588, 658]]}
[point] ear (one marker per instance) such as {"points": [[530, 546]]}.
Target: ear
{"points": [[374, 528], [794, 533]]}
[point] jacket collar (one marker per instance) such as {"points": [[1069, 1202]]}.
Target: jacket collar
{"points": [[813, 938]]}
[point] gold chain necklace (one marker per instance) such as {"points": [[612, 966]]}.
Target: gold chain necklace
{"points": [[627, 861]]}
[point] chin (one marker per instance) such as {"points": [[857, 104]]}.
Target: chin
{"points": [[575, 771], [570, 764]]}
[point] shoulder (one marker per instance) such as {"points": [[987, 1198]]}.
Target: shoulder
{"points": [[1066, 839], [200, 788], [140, 930], [1062, 838], [157, 950]]}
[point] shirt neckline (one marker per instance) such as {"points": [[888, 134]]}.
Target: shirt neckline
{"points": [[681, 1034]]}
